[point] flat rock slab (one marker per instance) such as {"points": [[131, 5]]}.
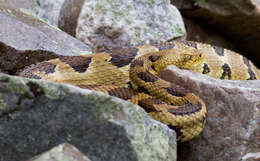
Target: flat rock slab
{"points": [[232, 129], [105, 25], [48, 9], [26, 39], [35, 116]]}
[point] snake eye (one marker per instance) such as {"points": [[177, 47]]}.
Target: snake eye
{"points": [[187, 57]]}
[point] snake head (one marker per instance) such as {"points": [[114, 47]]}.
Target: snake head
{"points": [[190, 58], [184, 58]]}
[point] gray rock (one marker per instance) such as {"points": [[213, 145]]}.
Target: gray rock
{"points": [[25, 39], [62, 152], [107, 24], [36, 116], [49, 10], [232, 129]]}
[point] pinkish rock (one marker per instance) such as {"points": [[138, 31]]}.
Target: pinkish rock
{"points": [[62, 152], [232, 130]]}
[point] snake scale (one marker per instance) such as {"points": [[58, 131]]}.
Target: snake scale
{"points": [[131, 74]]}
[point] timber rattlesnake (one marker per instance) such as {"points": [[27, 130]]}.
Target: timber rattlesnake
{"points": [[171, 104]]}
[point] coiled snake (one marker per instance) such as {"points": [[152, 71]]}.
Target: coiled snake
{"points": [[173, 105]]}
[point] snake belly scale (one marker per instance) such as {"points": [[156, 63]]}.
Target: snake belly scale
{"points": [[131, 74]]}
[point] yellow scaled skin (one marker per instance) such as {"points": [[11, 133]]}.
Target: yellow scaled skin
{"points": [[191, 124], [182, 110]]}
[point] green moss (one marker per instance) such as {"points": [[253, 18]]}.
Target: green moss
{"points": [[100, 8], [199, 2], [177, 30], [52, 91], [16, 85], [135, 41], [28, 12], [38, 2], [2, 103], [150, 1], [117, 14], [158, 35], [101, 106], [137, 31], [128, 20], [12, 116], [136, 38], [68, 138], [128, 8], [10, 12], [33, 14]]}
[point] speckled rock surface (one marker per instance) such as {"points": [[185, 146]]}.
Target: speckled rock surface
{"points": [[24, 39], [35, 116], [232, 129], [105, 24], [49, 10], [62, 152]]}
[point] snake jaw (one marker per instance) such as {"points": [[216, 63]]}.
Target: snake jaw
{"points": [[191, 60]]}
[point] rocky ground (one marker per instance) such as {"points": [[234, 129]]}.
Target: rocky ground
{"points": [[46, 121]]}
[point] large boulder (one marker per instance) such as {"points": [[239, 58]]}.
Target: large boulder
{"points": [[233, 124], [26, 39], [47, 10], [108, 24], [36, 116]]}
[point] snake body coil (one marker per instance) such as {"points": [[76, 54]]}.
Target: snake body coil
{"points": [[173, 105]]}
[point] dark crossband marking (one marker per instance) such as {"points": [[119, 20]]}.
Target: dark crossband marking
{"points": [[137, 62], [177, 130], [122, 92], [123, 57], [153, 67], [190, 43], [154, 58], [35, 77], [165, 46], [219, 50], [206, 69], [147, 77], [141, 89], [174, 92], [226, 71], [148, 102], [78, 63], [186, 109], [249, 69], [47, 67]]}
